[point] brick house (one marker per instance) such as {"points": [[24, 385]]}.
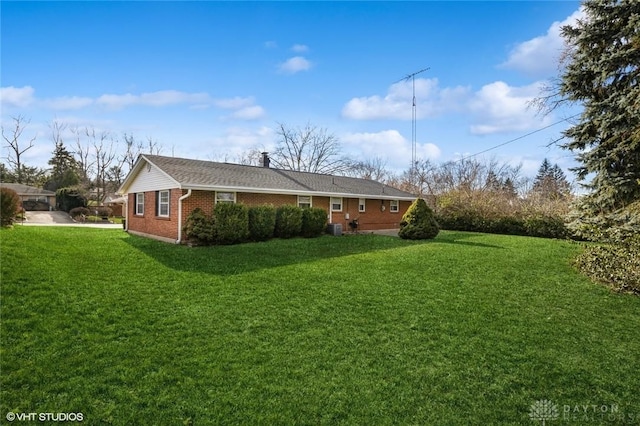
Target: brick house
{"points": [[162, 191]]}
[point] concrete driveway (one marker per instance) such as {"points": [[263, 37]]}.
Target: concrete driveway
{"points": [[58, 218]]}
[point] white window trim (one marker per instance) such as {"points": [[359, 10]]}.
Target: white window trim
{"points": [[139, 195], [362, 205], [167, 203], [235, 196], [392, 204], [305, 196], [331, 204]]}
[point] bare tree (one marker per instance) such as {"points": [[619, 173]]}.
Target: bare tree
{"points": [[371, 168], [308, 149], [83, 154], [14, 158], [103, 156]]}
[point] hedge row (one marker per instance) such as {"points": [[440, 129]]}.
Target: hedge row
{"points": [[534, 225], [237, 223]]}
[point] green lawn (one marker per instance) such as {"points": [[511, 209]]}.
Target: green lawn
{"points": [[367, 330]]}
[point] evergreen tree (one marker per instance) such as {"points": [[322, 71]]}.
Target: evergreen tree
{"points": [[551, 182], [64, 169], [603, 74], [418, 223]]}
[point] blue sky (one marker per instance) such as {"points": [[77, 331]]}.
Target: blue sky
{"points": [[210, 80]]}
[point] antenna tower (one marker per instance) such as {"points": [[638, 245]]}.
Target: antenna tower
{"points": [[412, 77]]}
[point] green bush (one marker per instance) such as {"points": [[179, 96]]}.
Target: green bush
{"points": [[78, 211], [103, 211], [615, 260], [199, 228], [231, 222], [314, 222], [545, 226], [69, 198], [262, 222], [418, 223], [9, 206], [288, 221], [615, 264]]}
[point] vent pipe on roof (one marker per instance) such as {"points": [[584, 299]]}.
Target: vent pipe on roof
{"points": [[265, 159]]}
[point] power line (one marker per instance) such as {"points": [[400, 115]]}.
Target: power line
{"points": [[515, 139]]}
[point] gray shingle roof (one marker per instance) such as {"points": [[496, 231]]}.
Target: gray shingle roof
{"points": [[27, 190], [204, 174]]}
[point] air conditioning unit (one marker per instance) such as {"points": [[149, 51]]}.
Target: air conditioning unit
{"points": [[334, 229]]}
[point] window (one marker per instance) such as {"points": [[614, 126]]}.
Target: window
{"points": [[140, 203], [225, 197], [336, 204], [394, 206], [304, 201], [361, 205], [163, 203]]}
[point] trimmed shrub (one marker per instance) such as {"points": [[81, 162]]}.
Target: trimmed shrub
{"points": [[288, 221], [9, 206], [418, 223], [104, 211], [545, 226], [199, 228], [262, 222], [231, 223], [314, 222], [78, 211]]}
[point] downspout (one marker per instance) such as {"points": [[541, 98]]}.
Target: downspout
{"points": [[184, 197]]}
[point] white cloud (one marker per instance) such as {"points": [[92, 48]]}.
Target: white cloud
{"points": [[294, 65], [67, 103], [397, 103], [20, 97], [499, 107], [243, 108], [154, 99], [238, 139], [300, 48], [540, 55], [390, 145], [234, 103], [253, 112]]}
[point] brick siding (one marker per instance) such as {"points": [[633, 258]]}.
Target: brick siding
{"points": [[373, 218]]}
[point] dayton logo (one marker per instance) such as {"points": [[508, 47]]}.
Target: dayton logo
{"points": [[543, 410]]}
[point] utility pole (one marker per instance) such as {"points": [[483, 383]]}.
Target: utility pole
{"points": [[412, 77]]}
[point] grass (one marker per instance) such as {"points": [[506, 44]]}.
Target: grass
{"points": [[465, 329]]}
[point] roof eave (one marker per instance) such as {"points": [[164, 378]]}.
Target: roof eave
{"points": [[197, 187]]}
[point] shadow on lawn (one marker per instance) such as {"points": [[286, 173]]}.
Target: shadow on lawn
{"points": [[242, 258]]}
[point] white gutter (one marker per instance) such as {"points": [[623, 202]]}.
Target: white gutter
{"points": [[184, 197]]}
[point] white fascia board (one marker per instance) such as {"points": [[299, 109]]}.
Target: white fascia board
{"points": [[293, 192]]}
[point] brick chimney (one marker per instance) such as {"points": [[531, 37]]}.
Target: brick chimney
{"points": [[265, 159]]}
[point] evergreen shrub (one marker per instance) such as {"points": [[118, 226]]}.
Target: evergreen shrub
{"points": [[418, 223], [262, 222], [199, 228], [314, 222], [288, 221], [231, 223]]}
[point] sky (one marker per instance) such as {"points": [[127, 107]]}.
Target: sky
{"points": [[211, 80]]}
